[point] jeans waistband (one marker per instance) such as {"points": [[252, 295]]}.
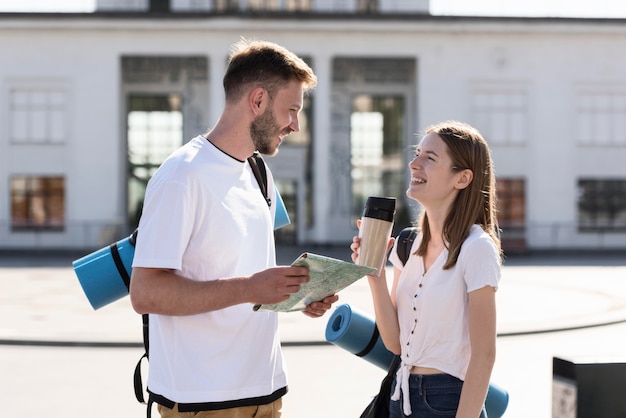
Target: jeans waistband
{"points": [[434, 380]]}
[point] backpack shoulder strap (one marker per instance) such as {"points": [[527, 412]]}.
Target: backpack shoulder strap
{"points": [[137, 381], [405, 242], [260, 173]]}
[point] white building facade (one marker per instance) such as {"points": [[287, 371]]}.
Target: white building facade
{"points": [[90, 104]]}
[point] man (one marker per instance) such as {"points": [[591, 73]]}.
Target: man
{"points": [[205, 252]]}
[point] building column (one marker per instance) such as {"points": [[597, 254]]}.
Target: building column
{"points": [[217, 68], [322, 64]]}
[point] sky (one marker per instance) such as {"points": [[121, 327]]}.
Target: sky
{"points": [[47, 5], [535, 8]]}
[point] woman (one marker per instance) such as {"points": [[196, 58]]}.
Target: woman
{"points": [[441, 313]]}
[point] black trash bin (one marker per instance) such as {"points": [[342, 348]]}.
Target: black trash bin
{"points": [[588, 388]]}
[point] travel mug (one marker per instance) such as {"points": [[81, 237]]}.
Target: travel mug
{"points": [[375, 231]]}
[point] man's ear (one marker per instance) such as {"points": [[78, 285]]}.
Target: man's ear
{"points": [[258, 100], [465, 179]]}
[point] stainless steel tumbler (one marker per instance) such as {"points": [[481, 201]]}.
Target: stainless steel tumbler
{"points": [[375, 231]]}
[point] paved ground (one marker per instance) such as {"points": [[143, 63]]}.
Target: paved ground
{"points": [[60, 358]]}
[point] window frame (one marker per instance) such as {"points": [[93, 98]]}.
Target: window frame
{"points": [[593, 217], [43, 102], [38, 200]]}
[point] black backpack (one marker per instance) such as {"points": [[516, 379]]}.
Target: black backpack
{"points": [[405, 242], [260, 174]]}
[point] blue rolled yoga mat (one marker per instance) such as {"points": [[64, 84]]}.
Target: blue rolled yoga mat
{"points": [[356, 332], [497, 401], [281, 217], [105, 274]]}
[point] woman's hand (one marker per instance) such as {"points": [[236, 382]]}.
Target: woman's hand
{"points": [[318, 309], [356, 244]]}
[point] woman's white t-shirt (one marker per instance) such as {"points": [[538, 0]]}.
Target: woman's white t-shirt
{"points": [[433, 305]]}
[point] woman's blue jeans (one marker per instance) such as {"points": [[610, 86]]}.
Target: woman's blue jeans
{"points": [[432, 396]]}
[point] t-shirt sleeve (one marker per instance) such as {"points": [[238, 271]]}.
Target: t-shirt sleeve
{"points": [[165, 226], [393, 256], [481, 263]]}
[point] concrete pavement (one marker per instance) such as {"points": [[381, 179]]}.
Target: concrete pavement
{"points": [[56, 351]]}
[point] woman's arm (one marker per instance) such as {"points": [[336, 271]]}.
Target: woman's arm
{"points": [[482, 332], [384, 302], [385, 310]]}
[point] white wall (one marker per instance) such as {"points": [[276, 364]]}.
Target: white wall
{"points": [[551, 61]]}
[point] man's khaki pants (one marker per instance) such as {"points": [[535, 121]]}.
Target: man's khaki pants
{"points": [[270, 410]]}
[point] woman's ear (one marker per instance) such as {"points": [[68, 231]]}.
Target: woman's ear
{"points": [[465, 179]]}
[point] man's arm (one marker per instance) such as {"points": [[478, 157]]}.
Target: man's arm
{"points": [[162, 291]]}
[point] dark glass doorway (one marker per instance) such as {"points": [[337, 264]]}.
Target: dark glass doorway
{"points": [[154, 130]]}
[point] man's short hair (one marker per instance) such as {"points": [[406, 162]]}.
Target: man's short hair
{"points": [[264, 64]]}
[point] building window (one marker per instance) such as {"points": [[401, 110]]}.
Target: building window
{"points": [[511, 202], [159, 6], [602, 205], [38, 116], [298, 5], [263, 5], [155, 130], [226, 5], [37, 203], [501, 116], [367, 6], [601, 119], [511, 210], [377, 143]]}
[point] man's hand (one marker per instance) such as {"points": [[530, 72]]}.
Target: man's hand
{"points": [[276, 284], [317, 309]]}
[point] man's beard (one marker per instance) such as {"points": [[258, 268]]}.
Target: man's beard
{"points": [[263, 131]]}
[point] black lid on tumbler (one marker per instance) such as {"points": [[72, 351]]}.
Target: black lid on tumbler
{"points": [[382, 208]]}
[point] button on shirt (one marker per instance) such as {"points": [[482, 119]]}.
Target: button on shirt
{"points": [[433, 307]]}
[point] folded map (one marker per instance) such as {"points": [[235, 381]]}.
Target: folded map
{"points": [[328, 276]]}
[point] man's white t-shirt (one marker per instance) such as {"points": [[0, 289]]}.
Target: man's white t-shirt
{"points": [[205, 217]]}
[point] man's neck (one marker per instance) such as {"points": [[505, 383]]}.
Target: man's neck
{"points": [[231, 141]]}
